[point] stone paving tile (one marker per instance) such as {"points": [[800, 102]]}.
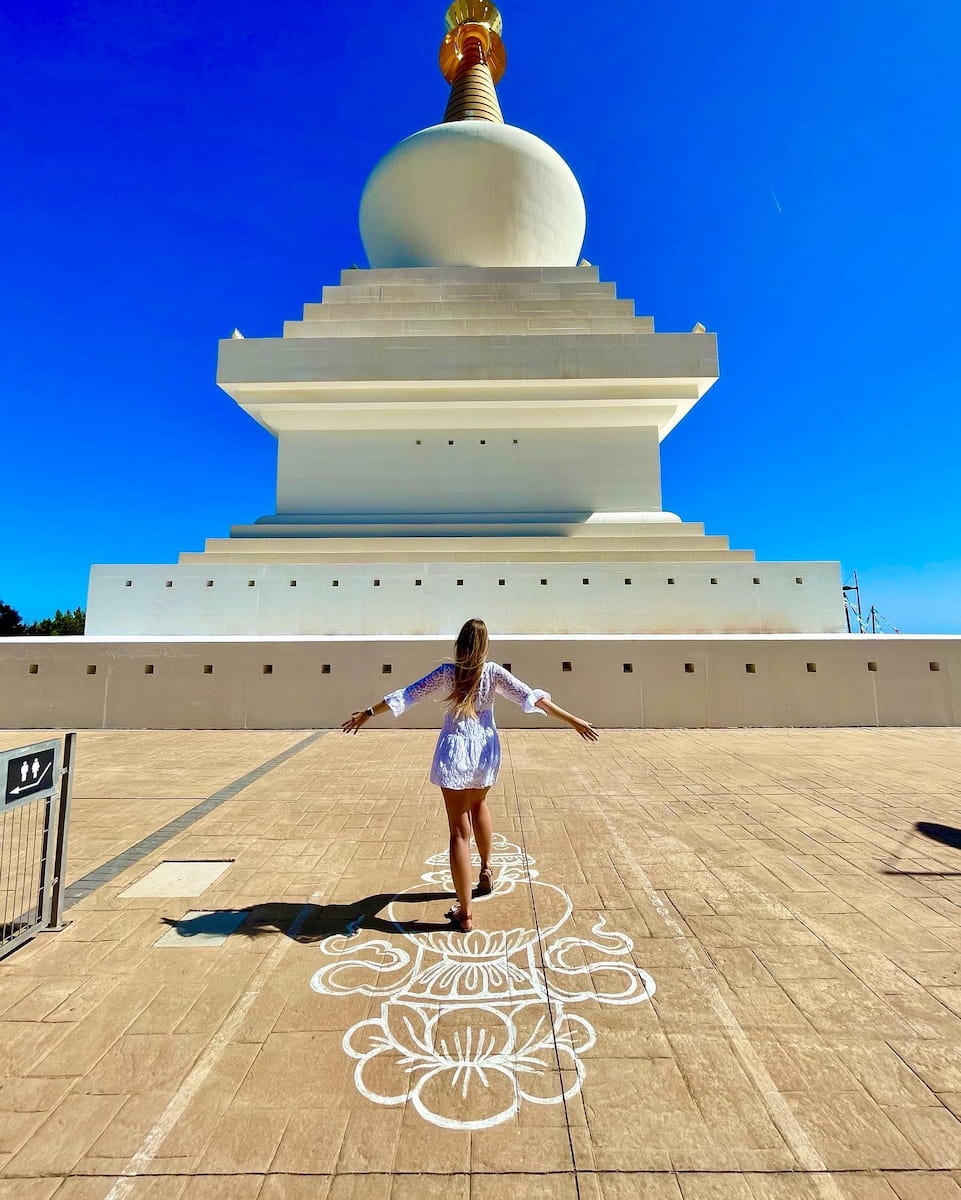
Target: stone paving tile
{"points": [[295, 1187], [139, 1189], [28, 1189], [228, 1187], [532, 1187], [67, 1133], [802, 937], [925, 1187], [665, 1187]]}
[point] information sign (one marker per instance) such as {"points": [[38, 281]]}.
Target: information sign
{"points": [[30, 772]]}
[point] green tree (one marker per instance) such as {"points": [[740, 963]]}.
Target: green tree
{"points": [[61, 624], [11, 623]]}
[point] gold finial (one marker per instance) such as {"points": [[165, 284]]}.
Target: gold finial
{"points": [[480, 11], [473, 60]]}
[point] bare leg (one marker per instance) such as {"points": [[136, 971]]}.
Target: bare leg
{"points": [[458, 804], [480, 819]]}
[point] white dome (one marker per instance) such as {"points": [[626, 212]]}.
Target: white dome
{"points": [[472, 194]]}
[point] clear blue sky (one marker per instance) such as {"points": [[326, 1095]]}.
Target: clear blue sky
{"points": [[786, 174]]}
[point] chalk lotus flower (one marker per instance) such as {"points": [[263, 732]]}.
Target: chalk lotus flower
{"points": [[481, 945], [468, 1067]]}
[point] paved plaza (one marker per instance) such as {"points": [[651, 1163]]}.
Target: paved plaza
{"points": [[717, 965]]}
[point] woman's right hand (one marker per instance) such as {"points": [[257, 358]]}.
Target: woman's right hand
{"points": [[354, 722], [585, 729]]}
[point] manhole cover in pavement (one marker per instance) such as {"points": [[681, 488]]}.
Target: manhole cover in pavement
{"points": [[203, 927], [177, 879]]}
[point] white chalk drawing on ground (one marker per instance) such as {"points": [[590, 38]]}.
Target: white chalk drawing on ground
{"points": [[473, 1025]]}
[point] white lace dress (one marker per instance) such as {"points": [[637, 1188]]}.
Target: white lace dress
{"points": [[468, 751]]}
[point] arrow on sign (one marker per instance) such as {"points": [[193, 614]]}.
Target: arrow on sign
{"points": [[29, 787]]}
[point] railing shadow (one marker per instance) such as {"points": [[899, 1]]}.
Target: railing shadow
{"points": [[946, 835], [312, 922]]}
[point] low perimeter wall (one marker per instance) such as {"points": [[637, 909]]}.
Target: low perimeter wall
{"points": [[633, 682]]}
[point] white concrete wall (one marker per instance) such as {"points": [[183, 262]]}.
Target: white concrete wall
{"points": [[465, 471], [258, 599], [694, 682]]}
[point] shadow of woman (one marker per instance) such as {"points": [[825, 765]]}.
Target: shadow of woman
{"points": [[311, 922]]}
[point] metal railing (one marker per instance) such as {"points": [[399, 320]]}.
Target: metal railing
{"points": [[37, 781]]}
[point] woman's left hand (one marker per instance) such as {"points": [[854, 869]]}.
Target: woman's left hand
{"points": [[354, 722], [585, 729]]}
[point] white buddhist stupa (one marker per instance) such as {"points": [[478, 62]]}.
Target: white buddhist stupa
{"points": [[471, 425]]}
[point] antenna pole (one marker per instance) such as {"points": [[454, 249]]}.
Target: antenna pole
{"points": [[856, 588]]}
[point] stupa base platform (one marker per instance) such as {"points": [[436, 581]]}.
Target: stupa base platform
{"points": [[602, 591], [616, 681]]}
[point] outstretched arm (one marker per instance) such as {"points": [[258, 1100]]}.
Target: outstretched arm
{"points": [[530, 698], [399, 701], [358, 719], [584, 728]]}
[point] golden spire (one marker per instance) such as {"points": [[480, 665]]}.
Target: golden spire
{"points": [[472, 60]]}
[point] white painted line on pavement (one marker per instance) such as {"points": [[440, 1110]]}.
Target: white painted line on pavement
{"points": [[147, 1152], [795, 1136]]}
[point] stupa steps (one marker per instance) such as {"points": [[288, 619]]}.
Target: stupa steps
{"points": [[481, 326], [400, 292], [571, 547], [489, 307], [611, 549], [440, 532], [336, 555], [585, 273]]}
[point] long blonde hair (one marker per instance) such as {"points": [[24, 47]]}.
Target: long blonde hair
{"points": [[470, 654]]}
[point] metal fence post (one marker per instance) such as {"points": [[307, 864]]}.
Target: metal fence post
{"points": [[62, 827]]}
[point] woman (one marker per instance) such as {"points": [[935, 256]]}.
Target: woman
{"points": [[468, 751]]}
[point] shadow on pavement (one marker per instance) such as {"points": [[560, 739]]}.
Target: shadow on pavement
{"points": [[315, 922], [947, 835]]}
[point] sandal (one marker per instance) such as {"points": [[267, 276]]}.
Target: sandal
{"points": [[465, 924], [485, 881]]}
